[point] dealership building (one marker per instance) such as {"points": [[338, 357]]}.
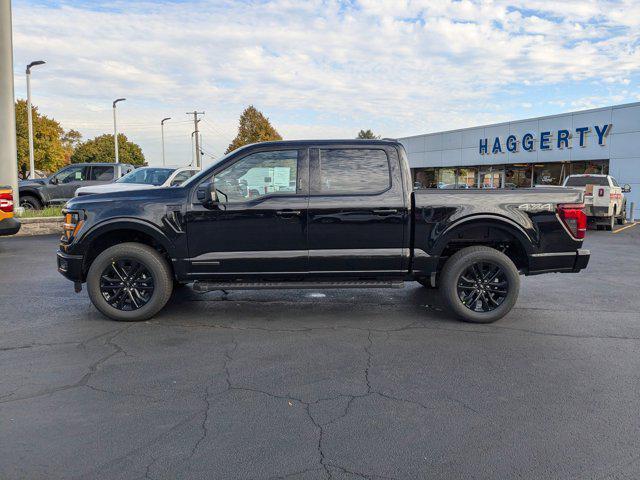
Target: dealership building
{"points": [[535, 151]]}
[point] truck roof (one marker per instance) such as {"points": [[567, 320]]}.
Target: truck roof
{"points": [[302, 143]]}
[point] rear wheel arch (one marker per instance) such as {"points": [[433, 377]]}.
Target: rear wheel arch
{"points": [[30, 192], [496, 232]]}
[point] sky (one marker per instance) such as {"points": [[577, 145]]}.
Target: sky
{"points": [[320, 69]]}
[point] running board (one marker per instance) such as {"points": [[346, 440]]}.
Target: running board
{"points": [[207, 286]]}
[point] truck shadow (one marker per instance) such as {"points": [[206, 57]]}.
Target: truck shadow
{"points": [[384, 308]]}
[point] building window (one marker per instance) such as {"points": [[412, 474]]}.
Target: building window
{"points": [[594, 166], [424, 178], [550, 173], [518, 176], [467, 177], [446, 177]]}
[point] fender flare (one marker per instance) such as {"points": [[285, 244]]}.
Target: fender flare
{"points": [[134, 224], [494, 221], [33, 192]]}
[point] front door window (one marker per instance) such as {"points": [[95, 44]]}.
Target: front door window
{"points": [[258, 175]]}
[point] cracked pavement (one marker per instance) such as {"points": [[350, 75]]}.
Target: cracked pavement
{"points": [[350, 384]]}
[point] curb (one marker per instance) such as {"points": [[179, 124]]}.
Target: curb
{"points": [[40, 226]]}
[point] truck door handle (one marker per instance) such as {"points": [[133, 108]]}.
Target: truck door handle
{"points": [[288, 213], [385, 211]]}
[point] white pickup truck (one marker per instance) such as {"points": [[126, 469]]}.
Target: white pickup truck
{"points": [[604, 201]]}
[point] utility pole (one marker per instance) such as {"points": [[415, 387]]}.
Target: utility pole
{"points": [[195, 122], [8, 158], [115, 126], [32, 163], [162, 130]]}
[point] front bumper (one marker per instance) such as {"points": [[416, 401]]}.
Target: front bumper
{"points": [[70, 266], [9, 226]]}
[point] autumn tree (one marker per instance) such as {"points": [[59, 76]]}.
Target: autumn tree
{"points": [[254, 127], [367, 135], [101, 149], [48, 148], [70, 141]]}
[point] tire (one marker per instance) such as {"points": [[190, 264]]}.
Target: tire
{"points": [[149, 291], [29, 202], [622, 219], [501, 291]]}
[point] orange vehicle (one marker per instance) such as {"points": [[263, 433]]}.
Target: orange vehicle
{"points": [[8, 224]]}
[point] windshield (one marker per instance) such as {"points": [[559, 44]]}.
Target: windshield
{"points": [[147, 176], [588, 180]]}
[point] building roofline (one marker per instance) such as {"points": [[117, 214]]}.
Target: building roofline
{"points": [[531, 119]]}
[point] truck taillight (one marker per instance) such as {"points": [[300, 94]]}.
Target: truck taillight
{"points": [[6, 202], [601, 192], [574, 219]]}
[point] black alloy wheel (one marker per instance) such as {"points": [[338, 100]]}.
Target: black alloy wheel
{"points": [[127, 284], [479, 284], [482, 286]]}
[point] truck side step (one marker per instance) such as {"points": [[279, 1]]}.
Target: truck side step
{"points": [[208, 286]]}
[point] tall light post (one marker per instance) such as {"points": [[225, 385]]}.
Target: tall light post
{"points": [[115, 126], [8, 160], [32, 166], [162, 130]]}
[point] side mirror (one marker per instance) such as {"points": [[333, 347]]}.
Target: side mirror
{"points": [[626, 188], [54, 180], [207, 193]]}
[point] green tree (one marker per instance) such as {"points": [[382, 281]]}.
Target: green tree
{"points": [[367, 135], [48, 149], [70, 140], [101, 149], [254, 127]]}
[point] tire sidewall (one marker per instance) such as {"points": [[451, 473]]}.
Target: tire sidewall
{"points": [[463, 259], [163, 283], [32, 201]]}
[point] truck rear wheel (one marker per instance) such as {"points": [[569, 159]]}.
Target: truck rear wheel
{"points": [[480, 284], [129, 282], [29, 202]]}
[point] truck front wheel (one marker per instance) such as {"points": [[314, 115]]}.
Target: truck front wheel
{"points": [[129, 282], [480, 284]]}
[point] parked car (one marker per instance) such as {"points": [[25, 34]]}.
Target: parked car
{"points": [[8, 224], [131, 247], [604, 200], [142, 178], [62, 185]]}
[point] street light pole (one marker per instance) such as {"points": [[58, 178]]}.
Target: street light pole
{"points": [[8, 160], [115, 126], [32, 166], [162, 130]]}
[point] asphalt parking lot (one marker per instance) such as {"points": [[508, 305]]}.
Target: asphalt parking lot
{"points": [[344, 385]]}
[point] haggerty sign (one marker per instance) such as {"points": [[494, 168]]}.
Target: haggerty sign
{"points": [[563, 139]]}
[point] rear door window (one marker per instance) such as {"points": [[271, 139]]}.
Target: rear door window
{"points": [[358, 171], [101, 173]]}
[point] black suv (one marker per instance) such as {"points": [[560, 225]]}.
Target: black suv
{"points": [[62, 185]]}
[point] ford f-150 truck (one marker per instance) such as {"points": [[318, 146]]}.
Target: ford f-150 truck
{"points": [[317, 214]]}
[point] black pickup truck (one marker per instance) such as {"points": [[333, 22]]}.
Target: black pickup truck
{"points": [[317, 214]]}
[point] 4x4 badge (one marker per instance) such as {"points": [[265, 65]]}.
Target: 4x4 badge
{"points": [[536, 207]]}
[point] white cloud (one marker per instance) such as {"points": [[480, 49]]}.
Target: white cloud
{"points": [[317, 68]]}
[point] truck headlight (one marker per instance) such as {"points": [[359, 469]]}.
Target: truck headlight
{"points": [[72, 223]]}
